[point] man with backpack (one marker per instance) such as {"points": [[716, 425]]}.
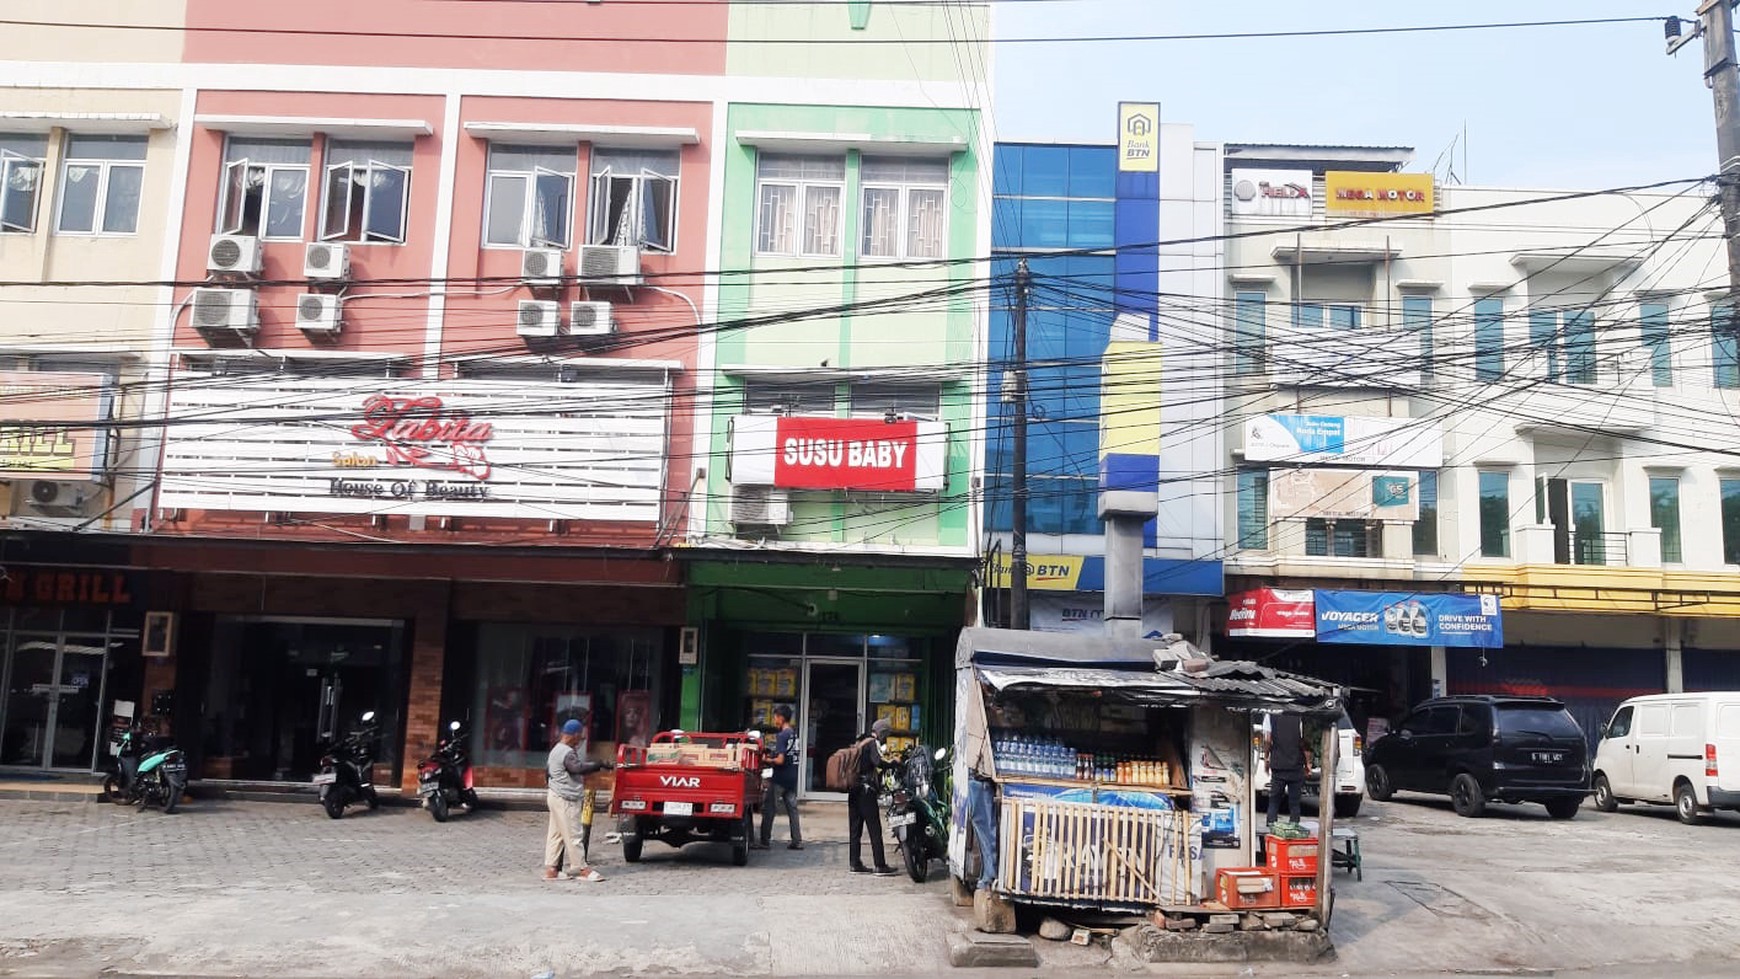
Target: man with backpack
{"points": [[863, 775]]}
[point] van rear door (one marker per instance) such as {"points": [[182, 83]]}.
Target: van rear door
{"points": [[1727, 742]]}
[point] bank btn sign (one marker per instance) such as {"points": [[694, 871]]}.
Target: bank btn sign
{"points": [[1138, 137]]}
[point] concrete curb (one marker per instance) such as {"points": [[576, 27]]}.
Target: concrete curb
{"points": [[49, 795]]}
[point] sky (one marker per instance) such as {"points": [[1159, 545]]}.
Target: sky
{"points": [[1553, 107]]}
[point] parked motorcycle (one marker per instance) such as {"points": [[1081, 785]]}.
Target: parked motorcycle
{"points": [[347, 769], [918, 811], [149, 771], [444, 778]]}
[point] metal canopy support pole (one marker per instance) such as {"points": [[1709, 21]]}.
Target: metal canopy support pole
{"points": [[1325, 823]]}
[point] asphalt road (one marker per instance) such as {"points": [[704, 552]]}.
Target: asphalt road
{"points": [[226, 888]]}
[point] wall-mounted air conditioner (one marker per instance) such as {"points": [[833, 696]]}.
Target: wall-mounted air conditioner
{"points": [[57, 496], [590, 319], [319, 313], [233, 254], [539, 318], [760, 506], [617, 265], [325, 260], [225, 311], [541, 266]]}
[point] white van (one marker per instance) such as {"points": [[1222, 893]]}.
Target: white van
{"points": [[1349, 768], [1679, 748]]}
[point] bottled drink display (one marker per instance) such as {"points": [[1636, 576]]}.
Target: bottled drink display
{"points": [[1040, 756]]}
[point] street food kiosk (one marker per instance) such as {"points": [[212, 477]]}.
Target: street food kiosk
{"points": [[1120, 768]]}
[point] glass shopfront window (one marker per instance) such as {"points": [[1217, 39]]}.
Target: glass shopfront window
{"points": [[533, 678], [838, 684], [55, 671]]}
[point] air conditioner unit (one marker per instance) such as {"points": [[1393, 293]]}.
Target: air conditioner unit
{"points": [[325, 260], [225, 311], [236, 254], [590, 319], [760, 506], [541, 266], [319, 313], [539, 318], [54, 496], [610, 265]]}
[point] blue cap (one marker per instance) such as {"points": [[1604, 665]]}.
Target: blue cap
{"points": [[572, 727]]}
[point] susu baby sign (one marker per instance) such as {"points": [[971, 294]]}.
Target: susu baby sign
{"points": [[825, 453]]}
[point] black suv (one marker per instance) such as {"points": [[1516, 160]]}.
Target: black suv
{"points": [[1480, 749]]}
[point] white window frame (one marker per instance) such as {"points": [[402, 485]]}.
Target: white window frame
{"points": [[366, 171], [529, 207], [800, 191], [635, 211], [11, 163], [100, 212], [903, 220], [268, 171]]}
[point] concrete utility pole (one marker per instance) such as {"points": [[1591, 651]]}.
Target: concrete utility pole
{"points": [[1020, 616], [1716, 27]]}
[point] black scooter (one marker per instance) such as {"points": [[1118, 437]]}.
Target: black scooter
{"points": [[347, 770], [444, 778], [918, 812], [149, 771]]}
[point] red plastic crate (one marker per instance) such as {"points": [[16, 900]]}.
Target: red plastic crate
{"points": [[1291, 856], [1245, 888], [1299, 891]]}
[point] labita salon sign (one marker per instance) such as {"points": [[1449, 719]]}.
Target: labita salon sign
{"points": [[416, 431]]}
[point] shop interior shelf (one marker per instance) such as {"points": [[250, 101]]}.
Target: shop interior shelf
{"points": [[1078, 783]]}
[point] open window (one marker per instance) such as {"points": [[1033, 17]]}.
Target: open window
{"points": [[530, 191], [365, 202], [634, 199], [264, 195], [20, 179]]}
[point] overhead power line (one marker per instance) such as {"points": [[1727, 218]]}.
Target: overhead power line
{"points": [[831, 41]]}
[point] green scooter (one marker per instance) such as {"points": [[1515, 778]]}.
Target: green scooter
{"points": [[149, 771], [918, 812]]}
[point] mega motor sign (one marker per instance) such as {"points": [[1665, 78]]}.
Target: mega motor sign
{"points": [[1350, 193], [818, 452]]}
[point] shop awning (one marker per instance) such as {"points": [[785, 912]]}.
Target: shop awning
{"points": [[1143, 670]]}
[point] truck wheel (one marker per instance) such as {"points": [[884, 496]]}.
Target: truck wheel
{"points": [[740, 842], [631, 847]]}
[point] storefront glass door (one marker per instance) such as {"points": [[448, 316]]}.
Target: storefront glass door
{"points": [[53, 704], [833, 716]]}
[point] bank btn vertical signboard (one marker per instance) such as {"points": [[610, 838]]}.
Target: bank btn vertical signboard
{"points": [[1138, 137]]}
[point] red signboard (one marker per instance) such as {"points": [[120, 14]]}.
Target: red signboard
{"points": [[846, 453], [1287, 613]]}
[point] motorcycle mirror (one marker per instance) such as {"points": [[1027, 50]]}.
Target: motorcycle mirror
{"points": [[368, 715], [454, 726], [940, 752]]}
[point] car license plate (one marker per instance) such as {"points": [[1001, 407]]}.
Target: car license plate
{"points": [[326, 778], [1548, 757], [427, 788], [679, 809], [904, 819], [722, 808]]}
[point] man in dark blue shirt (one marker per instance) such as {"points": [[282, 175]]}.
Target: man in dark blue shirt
{"points": [[783, 786]]}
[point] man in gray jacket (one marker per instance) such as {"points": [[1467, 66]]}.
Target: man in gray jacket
{"points": [[567, 773]]}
